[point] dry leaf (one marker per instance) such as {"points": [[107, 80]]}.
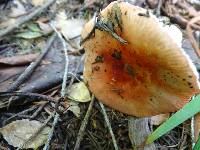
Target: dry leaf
{"points": [[70, 28], [18, 60], [18, 10], [46, 28], [6, 23], [18, 132], [37, 2], [79, 92], [74, 108]]}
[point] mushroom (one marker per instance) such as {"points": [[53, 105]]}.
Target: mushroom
{"points": [[133, 65]]}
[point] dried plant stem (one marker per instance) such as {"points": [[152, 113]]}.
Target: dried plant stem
{"points": [[190, 34], [26, 18], [29, 70], [55, 121], [36, 113], [32, 96], [109, 126], [66, 61], [83, 124], [192, 132], [19, 114], [160, 2], [56, 117]]}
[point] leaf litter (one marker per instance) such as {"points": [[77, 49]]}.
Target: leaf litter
{"points": [[18, 132]]}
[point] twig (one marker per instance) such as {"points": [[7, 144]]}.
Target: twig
{"points": [[75, 72], [159, 8], [33, 96], [26, 18], [55, 121], [109, 125], [182, 142], [192, 132], [83, 124], [30, 96], [20, 113], [74, 77], [173, 13], [47, 145], [38, 110], [29, 70], [190, 35], [66, 62]]}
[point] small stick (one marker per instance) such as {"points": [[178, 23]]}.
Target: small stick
{"points": [[75, 72], [190, 35], [159, 8], [26, 18], [19, 114], [56, 117], [84, 124], [55, 121], [33, 96], [29, 70], [66, 62], [109, 126], [192, 132], [38, 110]]}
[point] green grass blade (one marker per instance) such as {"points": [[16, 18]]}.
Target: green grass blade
{"points": [[189, 110], [197, 145]]}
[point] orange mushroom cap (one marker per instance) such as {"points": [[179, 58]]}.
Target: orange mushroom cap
{"points": [[148, 75]]}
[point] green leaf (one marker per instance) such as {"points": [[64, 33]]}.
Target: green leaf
{"points": [[33, 27], [29, 35], [189, 110], [197, 145]]}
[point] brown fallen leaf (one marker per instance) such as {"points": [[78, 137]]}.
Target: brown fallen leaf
{"points": [[7, 75], [18, 60], [37, 2]]}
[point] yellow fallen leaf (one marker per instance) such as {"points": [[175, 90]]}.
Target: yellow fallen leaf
{"points": [[79, 92], [37, 2]]}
